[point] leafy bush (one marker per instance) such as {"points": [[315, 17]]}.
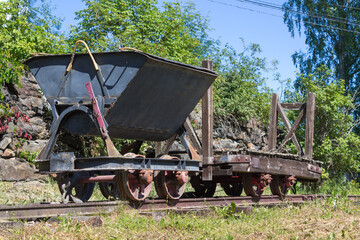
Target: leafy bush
{"points": [[334, 142], [25, 29], [240, 90], [30, 157], [175, 30]]}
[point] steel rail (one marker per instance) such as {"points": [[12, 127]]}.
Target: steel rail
{"points": [[47, 210]]}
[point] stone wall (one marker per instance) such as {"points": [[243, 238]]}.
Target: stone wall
{"points": [[26, 128], [231, 134]]}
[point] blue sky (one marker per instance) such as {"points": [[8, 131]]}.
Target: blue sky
{"points": [[231, 23]]}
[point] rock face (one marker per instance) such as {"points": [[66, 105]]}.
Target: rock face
{"points": [[26, 131], [16, 169], [231, 134], [251, 135]]}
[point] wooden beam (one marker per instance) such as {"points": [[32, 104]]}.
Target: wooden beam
{"points": [[278, 166], [288, 127], [293, 106], [158, 148], [192, 135], [207, 127], [273, 122], [293, 128], [309, 131]]}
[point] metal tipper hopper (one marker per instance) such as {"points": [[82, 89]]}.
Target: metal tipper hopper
{"points": [[126, 94]]}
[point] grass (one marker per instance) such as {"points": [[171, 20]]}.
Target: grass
{"points": [[35, 192], [331, 219], [316, 220], [29, 192]]}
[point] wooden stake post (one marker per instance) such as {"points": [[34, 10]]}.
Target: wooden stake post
{"points": [[309, 131], [207, 127]]}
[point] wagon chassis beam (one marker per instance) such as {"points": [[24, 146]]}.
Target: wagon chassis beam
{"points": [[277, 165], [67, 162]]}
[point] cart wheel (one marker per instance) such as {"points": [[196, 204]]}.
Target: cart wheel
{"points": [[232, 189], [109, 189], [73, 191], [254, 184], [202, 189], [136, 184], [280, 185], [170, 184]]}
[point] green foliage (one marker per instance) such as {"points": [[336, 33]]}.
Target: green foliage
{"points": [[24, 30], [92, 146], [226, 211], [340, 188], [332, 41], [332, 103], [334, 143], [340, 155], [175, 31], [240, 90], [28, 156]]}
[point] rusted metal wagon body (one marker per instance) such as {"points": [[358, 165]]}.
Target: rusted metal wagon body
{"points": [[144, 97]]}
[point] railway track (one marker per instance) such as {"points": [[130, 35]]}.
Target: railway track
{"points": [[46, 210]]}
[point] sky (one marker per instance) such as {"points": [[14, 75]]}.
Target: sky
{"points": [[230, 22]]}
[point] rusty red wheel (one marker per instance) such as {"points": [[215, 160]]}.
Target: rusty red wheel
{"points": [[134, 185], [170, 184], [280, 185], [254, 184]]}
